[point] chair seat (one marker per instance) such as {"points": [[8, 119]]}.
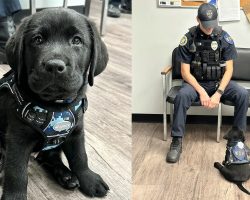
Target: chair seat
{"points": [[172, 94], [230, 103]]}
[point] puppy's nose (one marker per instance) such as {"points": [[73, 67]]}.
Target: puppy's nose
{"points": [[55, 66]]}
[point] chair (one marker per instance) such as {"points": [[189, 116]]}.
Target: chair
{"points": [[241, 70], [169, 75]]}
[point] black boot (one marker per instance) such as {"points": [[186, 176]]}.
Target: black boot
{"points": [[126, 6], [7, 29], [114, 11], [175, 150]]}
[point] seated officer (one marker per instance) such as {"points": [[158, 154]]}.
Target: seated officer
{"points": [[206, 53]]}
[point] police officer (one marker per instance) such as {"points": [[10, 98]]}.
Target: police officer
{"points": [[206, 53]]}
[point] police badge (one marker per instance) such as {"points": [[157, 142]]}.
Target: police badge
{"points": [[214, 45], [183, 41]]}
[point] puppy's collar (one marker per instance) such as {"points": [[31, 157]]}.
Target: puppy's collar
{"points": [[238, 154]]}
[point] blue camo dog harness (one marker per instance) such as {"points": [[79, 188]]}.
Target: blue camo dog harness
{"points": [[54, 126], [238, 154]]}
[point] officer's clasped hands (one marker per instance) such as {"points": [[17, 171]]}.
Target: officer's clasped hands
{"points": [[209, 102], [205, 99]]}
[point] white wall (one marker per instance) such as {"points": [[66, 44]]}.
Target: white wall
{"points": [[50, 3], [156, 32]]}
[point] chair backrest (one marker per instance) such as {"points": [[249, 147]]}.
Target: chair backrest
{"points": [[242, 65], [176, 64]]}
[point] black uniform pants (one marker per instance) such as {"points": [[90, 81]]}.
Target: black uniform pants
{"points": [[188, 94]]}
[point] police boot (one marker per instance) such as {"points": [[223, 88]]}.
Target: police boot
{"points": [[7, 29], [175, 150], [126, 6]]}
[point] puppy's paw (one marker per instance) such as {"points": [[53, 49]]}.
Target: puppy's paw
{"points": [[217, 165], [66, 178], [92, 184]]}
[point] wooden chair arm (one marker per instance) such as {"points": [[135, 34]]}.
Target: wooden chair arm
{"points": [[166, 70]]}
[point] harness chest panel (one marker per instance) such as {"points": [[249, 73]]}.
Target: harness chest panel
{"points": [[54, 125], [238, 154]]}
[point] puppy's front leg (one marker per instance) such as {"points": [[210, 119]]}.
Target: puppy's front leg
{"points": [[91, 183], [18, 151]]}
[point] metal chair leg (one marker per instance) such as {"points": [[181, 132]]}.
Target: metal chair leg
{"points": [[219, 123], [164, 108], [33, 6], [65, 3], [87, 7], [103, 16]]}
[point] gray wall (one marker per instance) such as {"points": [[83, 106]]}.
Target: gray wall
{"points": [[156, 32]]}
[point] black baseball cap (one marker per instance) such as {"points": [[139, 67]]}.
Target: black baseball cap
{"points": [[207, 13]]}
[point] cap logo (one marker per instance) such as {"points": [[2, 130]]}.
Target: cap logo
{"points": [[209, 14]]}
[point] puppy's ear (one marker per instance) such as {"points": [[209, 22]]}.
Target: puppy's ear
{"points": [[14, 48], [241, 136], [99, 54], [225, 137]]}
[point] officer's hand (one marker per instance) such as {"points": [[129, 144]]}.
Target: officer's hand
{"points": [[215, 100], [205, 99]]}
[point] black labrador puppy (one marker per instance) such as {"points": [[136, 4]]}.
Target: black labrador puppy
{"points": [[54, 55], [236, 167]]}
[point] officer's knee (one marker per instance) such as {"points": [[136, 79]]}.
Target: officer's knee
{"points": [[243, 93], [184, 96]]}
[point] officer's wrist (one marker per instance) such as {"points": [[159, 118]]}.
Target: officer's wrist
{"points": [[220, 91]]}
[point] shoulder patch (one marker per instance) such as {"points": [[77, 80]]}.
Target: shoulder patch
{"points": [[183, 41], [228, 39]]}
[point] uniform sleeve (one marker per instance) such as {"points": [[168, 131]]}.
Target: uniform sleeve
{"points": [[228, 48], [184, 55]]}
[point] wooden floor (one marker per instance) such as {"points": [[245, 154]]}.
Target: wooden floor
{"points": [[107, 121], [193, 178]]}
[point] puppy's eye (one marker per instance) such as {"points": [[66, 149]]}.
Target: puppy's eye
{"points": [[38, 39], [76, 40]]}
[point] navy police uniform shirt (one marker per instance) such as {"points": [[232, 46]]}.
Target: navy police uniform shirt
{"points": [[227, 45]]}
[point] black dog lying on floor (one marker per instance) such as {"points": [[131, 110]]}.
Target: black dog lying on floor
{"points": [[236, 167], [54, 55]]}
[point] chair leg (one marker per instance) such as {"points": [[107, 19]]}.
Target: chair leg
{"points": [[221, 120], [103, 16], [65, 3], [164, 108], [219, 123], [33, 6], [165, 123]]}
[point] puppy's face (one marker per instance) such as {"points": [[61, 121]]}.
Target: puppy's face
{"points": [[235, 134], [58, 49]]}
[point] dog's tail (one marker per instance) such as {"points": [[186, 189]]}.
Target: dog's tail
{"points": [[241, 187]]}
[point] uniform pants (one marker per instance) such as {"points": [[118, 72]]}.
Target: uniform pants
{"points": [[188, 94], [9, 7]]}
